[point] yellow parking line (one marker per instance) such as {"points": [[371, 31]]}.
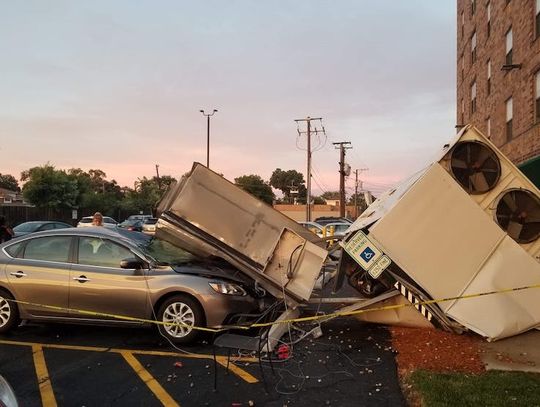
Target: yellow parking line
{"points": [[45, 388], [220, 359], [149, 380]]}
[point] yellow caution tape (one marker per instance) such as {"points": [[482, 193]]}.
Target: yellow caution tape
{"points": [[285, 321]]}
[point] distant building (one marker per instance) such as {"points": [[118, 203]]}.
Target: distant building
{"points": [[11, 198], [498, 75]]}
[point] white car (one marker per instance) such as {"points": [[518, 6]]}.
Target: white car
{"points": [[108, 222], [149, 226]]}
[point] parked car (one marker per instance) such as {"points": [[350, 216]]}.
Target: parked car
{"points": [[132, 224], [139, 217], [37, 226], [149, 226], [324, 220], [314, 227], [115, 272], [7, 395], [108, 222]]}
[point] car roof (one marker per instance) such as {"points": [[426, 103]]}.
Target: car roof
{"points": [[94, 231]]}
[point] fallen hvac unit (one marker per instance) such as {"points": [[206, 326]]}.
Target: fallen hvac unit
{"points": [[210, 216], [469, 223]]}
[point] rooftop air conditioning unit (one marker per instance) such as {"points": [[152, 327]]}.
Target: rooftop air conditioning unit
{"points": [[469, 223]]}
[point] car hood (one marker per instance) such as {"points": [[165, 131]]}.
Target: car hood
{"points": [[209, 216]]}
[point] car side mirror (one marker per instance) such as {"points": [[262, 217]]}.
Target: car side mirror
{"points": [[132, 263]]}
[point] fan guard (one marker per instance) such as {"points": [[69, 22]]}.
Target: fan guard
{"points": [[518, 213], [475, 166]]}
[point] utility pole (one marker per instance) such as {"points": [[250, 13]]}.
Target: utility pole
{"points": [[308, 132], [157, 176], [342, 146], [356, 191]]}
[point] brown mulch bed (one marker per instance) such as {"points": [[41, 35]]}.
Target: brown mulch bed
{"points": [[436, 350]]}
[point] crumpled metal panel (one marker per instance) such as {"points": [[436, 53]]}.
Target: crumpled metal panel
{"points": [[210, 216]]}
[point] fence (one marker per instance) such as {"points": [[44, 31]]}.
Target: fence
{"points": [[18, 214]]}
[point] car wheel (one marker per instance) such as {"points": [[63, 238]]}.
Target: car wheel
{"points": [[9, 313], [185, 313]]}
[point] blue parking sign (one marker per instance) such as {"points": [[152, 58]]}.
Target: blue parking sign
{"points": [[367, 254]]}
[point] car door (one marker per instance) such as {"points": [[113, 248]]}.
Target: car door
{"points": [[98, 284], [38, 275]]}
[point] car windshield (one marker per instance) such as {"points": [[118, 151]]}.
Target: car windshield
{"points": [[163, 252], [26, 227], [342, 227]]}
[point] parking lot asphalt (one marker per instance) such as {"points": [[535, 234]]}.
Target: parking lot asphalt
{"points": [[351, 364]]}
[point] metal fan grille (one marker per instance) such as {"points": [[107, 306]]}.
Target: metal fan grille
{"points": [[518, 213], [475, 166]]}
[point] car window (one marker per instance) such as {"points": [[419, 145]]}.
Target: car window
{"points": [[102, 252], [26, 227], [60, 226], [109, 220], [54, 248], [47, 226], [14, 250]]}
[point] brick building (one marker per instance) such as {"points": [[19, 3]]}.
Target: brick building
{"points": [[498, 75]]}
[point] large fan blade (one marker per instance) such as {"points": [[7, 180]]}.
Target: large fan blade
{"points": [[483, 155], [479, 181], [510, 201], [457, 163], [514, 230], [534, 218]]}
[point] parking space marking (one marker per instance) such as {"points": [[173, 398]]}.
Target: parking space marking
{"points": [[222, 360], [45, 388], [149, 380]]}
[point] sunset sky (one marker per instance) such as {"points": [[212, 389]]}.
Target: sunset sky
{"points": [[118, 85]]}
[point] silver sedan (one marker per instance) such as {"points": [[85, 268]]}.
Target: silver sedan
{"points": [[100, 276]]}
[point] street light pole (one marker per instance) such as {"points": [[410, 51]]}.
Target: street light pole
{"points": [[208, 115]]}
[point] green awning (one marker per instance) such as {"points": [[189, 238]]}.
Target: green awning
{"points": [[531, 169]]}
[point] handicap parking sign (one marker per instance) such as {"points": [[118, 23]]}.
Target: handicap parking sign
{"points": [[367, 254], [364, 251]]}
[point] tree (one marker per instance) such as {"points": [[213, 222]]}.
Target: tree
{"points": [[360, 201], [256, 186], [164, 181], [330, 195], [144, 197], [8, 181], [287, 180], [47, 187]]}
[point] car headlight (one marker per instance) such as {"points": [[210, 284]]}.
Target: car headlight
{"points": [[227, 288]]}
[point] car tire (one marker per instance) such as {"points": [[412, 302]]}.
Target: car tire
{"points": [[184, 310], [9, 312]]}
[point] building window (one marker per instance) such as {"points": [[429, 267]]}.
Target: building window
{"points": [[509, 117], [488, 128], [489, 76], [462, 66], [509, 46], [462, 112], [537, 24], [488, 13], [462, 24], [473, 47], [537, 96], [473, 97], [473, 7]]}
